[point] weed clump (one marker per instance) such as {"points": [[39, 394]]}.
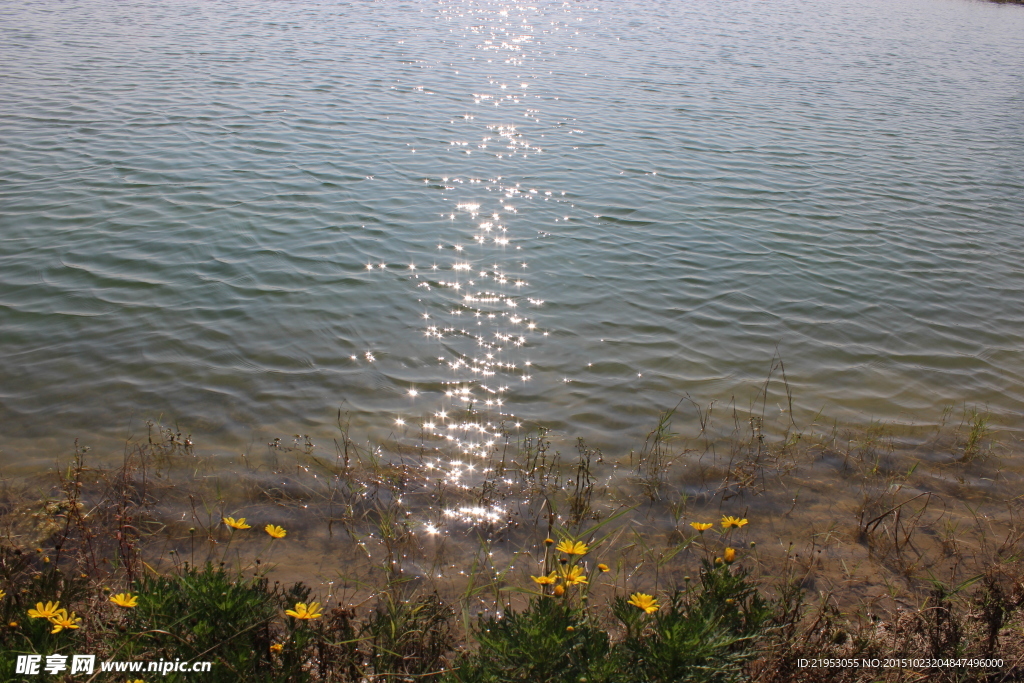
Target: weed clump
{"points": [[200, 613], [703, 634], [549, 641]]}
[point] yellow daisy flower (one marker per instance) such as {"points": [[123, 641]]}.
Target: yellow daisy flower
{"points": [[275, 531], [549, 541], [50, 609], [304, 611], [62, 620], [647, 603], [559, 590], [236, 523], [276, 647], [603, 567], [544, 580], [3, 594], [572, 575], [125, 600], [572, 547], [730, 522], [729, 555], [701, 526]]}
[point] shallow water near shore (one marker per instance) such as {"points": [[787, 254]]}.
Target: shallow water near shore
{"points": [[865, 521], [247, 218]]}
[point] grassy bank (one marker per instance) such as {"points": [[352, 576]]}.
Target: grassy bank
{"points": [[727, 547]]}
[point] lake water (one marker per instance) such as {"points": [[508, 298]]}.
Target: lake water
{"points": [[244, 217]]}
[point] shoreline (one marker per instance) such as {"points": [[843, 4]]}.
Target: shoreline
{"points": [[864, 523]]}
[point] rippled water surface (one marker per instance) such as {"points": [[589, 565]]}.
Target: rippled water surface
{"points": [[247, 216]]}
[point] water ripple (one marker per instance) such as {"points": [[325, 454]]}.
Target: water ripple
{"points": [[571, 214]]}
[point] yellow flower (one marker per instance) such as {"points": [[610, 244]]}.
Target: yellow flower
{"points": [[61, 621], [125, 600], [236, 523], [572, 575], [729, 555], [12, 624], [572, 548], [46, 611], [729, 522], [544, 580], [559, 590], [701, 526], [603, 567], [276, 647], [304, 611], [275, 531], [3, 594], [570, 629], [647, 603], [549, 541]]}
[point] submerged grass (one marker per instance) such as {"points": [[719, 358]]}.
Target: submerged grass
{"points": [[750, 550]]}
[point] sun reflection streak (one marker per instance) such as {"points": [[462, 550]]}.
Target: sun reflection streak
{"points": [[478, 311]]}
